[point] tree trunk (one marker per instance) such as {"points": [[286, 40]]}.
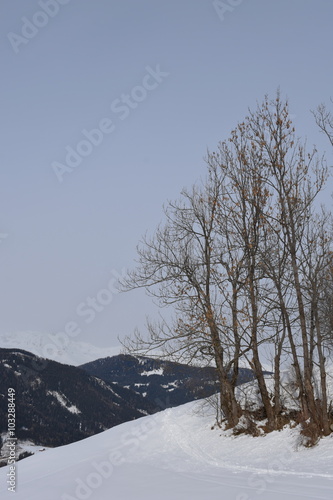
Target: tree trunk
{"points": [[308, 387], [323, 386], [229, 404], [255, 352]]}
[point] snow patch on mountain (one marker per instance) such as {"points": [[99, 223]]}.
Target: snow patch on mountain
{"points": [[64, 402], [158, 371]]}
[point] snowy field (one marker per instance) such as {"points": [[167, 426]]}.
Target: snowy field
{"points": [[175, 454]]}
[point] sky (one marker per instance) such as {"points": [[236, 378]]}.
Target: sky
{"points": [[108, 109]]}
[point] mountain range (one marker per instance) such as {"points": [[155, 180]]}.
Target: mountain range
{"points": [[164, 383], [57, 403]]}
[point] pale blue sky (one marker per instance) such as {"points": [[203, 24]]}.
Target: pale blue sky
{"points": [[64, 240]]}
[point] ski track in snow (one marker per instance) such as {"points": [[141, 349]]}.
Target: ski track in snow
{"points": [[195, 452], [175, 455]]}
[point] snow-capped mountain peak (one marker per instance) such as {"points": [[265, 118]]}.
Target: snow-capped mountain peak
{"points": [[57, 347]]}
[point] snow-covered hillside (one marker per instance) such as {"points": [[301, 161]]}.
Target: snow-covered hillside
{"points": [[58, 347], [176, 454]]}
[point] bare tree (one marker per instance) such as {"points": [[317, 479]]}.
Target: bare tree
{"points": [[294, 178], [242, 258], [180, 266], [317, 268], [324, 120]]}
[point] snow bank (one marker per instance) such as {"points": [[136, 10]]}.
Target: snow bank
{"points": [[176, 454]]}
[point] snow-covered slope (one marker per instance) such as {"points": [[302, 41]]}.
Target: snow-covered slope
{"points": [[58, 347], [175, 454]]}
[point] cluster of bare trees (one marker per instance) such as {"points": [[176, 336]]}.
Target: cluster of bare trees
{"points": [[246, 260]]}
